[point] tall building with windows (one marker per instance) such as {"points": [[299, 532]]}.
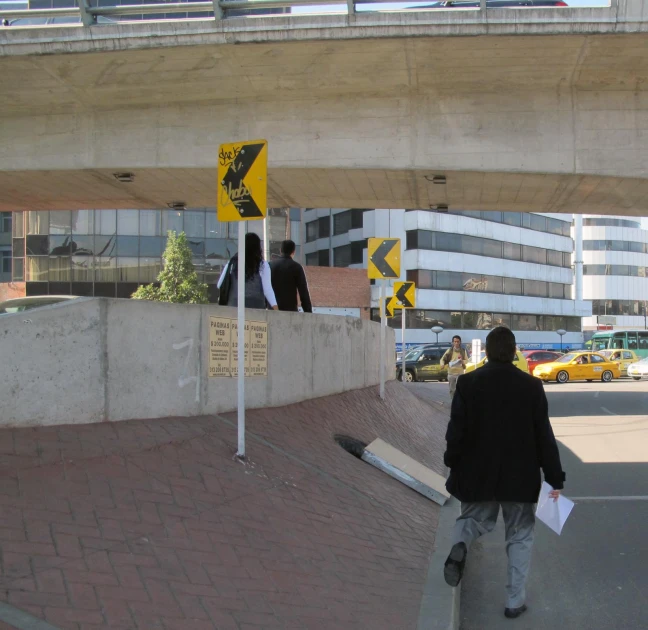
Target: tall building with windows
{"points": [[615, 272], [5, 246], [109, 253], [473, 270]]}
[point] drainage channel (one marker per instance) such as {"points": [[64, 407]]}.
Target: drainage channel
{"points": [[351, 445]]}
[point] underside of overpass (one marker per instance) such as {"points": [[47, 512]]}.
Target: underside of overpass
{"points": [[545, 117]]}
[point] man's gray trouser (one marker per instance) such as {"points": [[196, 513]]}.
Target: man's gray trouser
{"points": [[452, 380], [479, 518]]}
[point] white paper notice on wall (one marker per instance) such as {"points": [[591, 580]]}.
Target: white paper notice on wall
{"points": [[552, 513]]}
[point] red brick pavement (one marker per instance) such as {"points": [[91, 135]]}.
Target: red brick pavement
{"points": [[153, 524]]}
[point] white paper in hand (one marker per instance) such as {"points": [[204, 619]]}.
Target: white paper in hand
{"points": [[553, 513], [455, 363]]}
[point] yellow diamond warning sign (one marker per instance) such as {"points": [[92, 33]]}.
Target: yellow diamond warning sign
{"points": [[384, 258], [242, 181]]}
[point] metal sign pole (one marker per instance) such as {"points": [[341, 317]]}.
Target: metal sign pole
{"points": [[403, 351], [241, 340], [383, 330], [266, 251]]}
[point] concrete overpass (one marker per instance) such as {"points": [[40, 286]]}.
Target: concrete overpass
{"points": [[532, 110]]}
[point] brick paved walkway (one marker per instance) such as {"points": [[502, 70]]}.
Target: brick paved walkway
{"points": [[153, 524]]}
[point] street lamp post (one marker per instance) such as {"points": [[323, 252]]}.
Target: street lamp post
{"points": [[561, 332], [437, 330]]}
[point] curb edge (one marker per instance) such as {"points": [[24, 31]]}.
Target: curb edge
{"points": [[440, 603]]}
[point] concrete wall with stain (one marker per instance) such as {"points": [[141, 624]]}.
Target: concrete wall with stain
{"points": [[99, 359]]}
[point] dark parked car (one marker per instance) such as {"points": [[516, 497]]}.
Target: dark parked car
{"points": [[423, 364], [441, 344]]}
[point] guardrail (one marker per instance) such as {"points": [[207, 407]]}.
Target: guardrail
{"points": [[89, 15]]}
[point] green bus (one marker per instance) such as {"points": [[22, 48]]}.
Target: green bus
{"points": [[636, 340]]}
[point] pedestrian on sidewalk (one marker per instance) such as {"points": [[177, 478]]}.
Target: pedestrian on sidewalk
{"points": [[455, 358], [258, 284], [289, 279], [498, 439]]}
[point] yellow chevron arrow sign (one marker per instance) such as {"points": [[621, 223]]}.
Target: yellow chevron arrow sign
{"points": [[405, 294]]}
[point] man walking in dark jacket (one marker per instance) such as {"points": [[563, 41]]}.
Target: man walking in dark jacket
{"points": [[288, 279], [499, 437]]}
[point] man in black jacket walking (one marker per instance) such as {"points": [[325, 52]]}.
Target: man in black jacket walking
{"points": [[288, 279], [499, 437]]}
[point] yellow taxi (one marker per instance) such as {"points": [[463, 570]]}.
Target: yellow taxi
{"points": [[519, 361], [578, 366], [623, 358]]}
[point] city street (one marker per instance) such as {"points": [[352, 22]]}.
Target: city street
{"points": [[592, 576]]}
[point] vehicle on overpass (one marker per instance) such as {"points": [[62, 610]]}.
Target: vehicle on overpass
{"points": [[519, 361], [495, 4], [635, 340], [623, 358], [579, 366], [18, 305], [422, 364], [538, 357], [639, 370]]}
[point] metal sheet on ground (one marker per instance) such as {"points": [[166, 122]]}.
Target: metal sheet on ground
{"points": [[406, 469]]}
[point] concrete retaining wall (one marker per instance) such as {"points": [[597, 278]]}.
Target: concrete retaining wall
{"points": [[101, 359]]}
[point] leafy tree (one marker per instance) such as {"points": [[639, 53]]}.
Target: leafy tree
{"points": [[178, 279]]}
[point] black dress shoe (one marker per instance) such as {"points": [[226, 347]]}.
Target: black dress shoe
{"points": [[513, 613], [454, 565]]}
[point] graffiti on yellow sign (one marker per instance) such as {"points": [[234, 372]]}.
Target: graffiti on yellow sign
{"points": [[242, 181], [223, 347]]}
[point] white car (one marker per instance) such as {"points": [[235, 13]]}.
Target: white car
{"points": [[638, 370]]}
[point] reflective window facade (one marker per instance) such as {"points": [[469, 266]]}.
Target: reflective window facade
{"points": [[472, 320], [350, 254], [615, 270], [518, 219], [457, 281], [347, 220], [478, 246], [320, 258], [601, 222], [6, 246], [109, 253], [620, 307], [615, 246], [320, 228]]}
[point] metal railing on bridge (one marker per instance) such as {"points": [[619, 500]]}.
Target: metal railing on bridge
{"points": [[88, 13]]}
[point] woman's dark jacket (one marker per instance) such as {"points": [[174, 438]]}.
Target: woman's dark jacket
{"points": [[499, 437]]}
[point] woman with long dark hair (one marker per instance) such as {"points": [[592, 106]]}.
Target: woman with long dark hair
{"points": [[258, 283]]}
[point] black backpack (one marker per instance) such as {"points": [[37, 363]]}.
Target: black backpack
{"points": [[223, 294]]}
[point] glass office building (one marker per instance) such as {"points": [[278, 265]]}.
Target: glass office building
{"points": [[5, 246], [615, 271], [473, 270], [109, 253]]}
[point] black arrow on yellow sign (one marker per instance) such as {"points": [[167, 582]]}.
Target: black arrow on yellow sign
{"points": [[401, 294], [389, 306], [234, 185], [379, 258]]}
